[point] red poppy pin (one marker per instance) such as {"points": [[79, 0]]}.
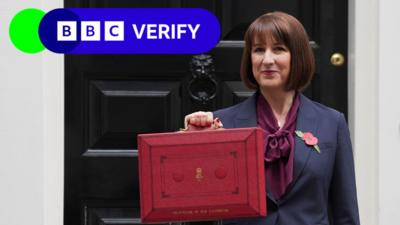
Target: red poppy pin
{"points": [[309, 139]]}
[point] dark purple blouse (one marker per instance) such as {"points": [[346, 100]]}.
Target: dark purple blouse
{"points": [[279, 150]]}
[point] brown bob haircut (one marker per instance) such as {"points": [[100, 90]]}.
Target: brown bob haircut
{"points": [[287, 30]]}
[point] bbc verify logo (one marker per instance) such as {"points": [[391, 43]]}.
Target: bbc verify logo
{"points": [[129, 31], [90, 31], [114, 31]]}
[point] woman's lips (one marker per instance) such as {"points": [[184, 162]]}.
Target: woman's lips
{"points": [[269, 72]]}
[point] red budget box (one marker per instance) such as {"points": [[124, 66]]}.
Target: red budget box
{"points": [[202, 175]]}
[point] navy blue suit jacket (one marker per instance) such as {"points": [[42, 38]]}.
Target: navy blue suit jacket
{"points": [[321, 182]]}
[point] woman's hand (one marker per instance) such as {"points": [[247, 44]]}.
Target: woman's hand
{"points": [[201, 121]]}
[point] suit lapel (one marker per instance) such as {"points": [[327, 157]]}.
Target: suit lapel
{"points": [[306, 122]]}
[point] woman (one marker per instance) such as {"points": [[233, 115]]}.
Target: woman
{"points": [[309, 161]]}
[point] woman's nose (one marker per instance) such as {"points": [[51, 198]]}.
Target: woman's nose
{"points": [[268, 57]]}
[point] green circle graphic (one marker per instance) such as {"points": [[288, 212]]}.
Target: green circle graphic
{"points": [[24, 30]]}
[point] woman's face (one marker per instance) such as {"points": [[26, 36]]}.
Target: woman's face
{"points": [[270, 64]]}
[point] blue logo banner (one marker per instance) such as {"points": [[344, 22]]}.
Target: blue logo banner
{"points": [[129, 30]]}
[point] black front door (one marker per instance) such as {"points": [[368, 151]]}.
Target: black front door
{"points": [[109, 99]]}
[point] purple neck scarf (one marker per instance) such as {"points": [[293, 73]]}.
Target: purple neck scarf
{"points": [[279, 150]]}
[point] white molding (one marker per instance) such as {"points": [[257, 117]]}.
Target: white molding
{"points": [[389, 111], [363, 103], [53, 129], [53, 137]]}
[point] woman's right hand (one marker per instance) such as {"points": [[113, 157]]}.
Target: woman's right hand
{"points": [[201, 121], [198, 120]]}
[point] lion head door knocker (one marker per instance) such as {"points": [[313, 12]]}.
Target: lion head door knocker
{"points": [[203, 86]]}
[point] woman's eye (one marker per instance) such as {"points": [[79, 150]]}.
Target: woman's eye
{"points": [[258, 50], [280, 49]]}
